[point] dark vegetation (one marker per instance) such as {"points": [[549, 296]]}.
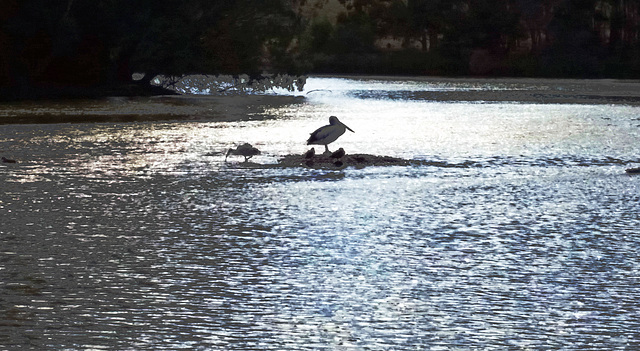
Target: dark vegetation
{"points": [[60, 48], [532, 38]]}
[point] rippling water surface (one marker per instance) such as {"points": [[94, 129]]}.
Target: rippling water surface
{"points": [[521, 234]]}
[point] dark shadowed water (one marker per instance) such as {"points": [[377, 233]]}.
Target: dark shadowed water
{"points": [[522, 234]]}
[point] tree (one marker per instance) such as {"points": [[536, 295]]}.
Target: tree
{"points": [[536, 16], [429, 18], [55, 44], [422, 20], [575, 48], [487, 24]]}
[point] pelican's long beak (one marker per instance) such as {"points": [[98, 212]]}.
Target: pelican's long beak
{"points": [[348, 128]]}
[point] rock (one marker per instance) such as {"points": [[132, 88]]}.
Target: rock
{"points": [[351, 160]]}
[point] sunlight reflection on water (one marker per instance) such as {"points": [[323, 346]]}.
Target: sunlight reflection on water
{"points": [[139, 236]]}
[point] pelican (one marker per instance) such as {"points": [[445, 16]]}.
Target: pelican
{"points": [[328, 134], [338, 154], [246, 150]]}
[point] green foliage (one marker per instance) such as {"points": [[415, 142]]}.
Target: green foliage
{"points": [[319, 37], [352, 34]]}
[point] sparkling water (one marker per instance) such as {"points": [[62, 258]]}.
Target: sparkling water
{"points": [[520, 231]]}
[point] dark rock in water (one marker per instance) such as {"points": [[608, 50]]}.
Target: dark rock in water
{"points": [[633, 170], [351, 160], [7, 160], [310, 153], [338, 154]]}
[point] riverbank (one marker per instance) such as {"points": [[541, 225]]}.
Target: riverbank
{"points": [[57, 92], [143, 109], [233, 107], [521, 90]]}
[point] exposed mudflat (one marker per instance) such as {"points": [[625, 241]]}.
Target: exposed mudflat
{"points": [[234, 107], [145, 109]]}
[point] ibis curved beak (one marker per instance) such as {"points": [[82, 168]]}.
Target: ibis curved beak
{"points": [[348, 128]]}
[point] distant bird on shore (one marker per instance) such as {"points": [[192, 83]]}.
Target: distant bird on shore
{"points": [[628, 170], [338, 153], [328, 134], [246, 150], [7, 160], [310, 153]]}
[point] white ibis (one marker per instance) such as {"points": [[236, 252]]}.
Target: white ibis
{"points": [[246, 150]]}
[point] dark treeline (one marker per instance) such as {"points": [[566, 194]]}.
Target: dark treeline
{"points": [[70, 46], [549, 38], [58, 48]]}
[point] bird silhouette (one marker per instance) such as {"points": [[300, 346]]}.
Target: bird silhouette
{"points": [[328, 134], [246, 150]]}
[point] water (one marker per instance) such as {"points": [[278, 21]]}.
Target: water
{"points": [[521, 234]]}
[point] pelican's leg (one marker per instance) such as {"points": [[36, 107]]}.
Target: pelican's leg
{"points": [[326, 149]]}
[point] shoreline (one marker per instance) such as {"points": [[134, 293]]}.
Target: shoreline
{"points": [[536, 97], [529, 90], [234, 107], [143, 109], [52, 92]]}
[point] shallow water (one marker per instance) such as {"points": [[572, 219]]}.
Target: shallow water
{"points": [[521, 234]]}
